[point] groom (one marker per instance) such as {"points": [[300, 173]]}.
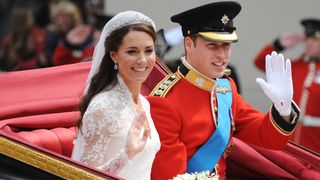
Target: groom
{"points": [[197, 110]]}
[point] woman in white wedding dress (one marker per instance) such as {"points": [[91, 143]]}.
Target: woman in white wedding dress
{"points": [[116, 133]]}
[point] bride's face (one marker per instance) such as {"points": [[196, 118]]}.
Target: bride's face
{"points": [[135, 57]]}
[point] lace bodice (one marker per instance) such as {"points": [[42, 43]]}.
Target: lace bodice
{"points": [[102, 138]]}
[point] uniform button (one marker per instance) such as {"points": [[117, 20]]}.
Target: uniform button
{"points": [[159, 92], [215, 109], [233, 126], [163, 86]]}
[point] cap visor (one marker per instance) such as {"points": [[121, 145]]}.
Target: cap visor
{"points": [[219, 36]]}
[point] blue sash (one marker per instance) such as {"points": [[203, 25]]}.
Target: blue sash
{"points": [[210, 152]]}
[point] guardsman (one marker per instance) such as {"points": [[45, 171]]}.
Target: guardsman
{"points": [[306, 80], [197, 110]]}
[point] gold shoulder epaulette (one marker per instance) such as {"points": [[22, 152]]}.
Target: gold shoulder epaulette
{"points": [[165, 85]]}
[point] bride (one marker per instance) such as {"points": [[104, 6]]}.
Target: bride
{"points": [[116, 133]]}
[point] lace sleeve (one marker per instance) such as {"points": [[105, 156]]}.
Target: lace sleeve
{"points": [[99, 125], [116, 163]]}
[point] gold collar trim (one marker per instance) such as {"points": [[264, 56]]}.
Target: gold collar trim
{"points": [[195, 77]]}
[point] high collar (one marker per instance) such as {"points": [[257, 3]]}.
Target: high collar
{"points": [[194, 77], [122, 87]]}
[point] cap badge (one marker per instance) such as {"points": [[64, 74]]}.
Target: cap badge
{"points": [[225, 19]]}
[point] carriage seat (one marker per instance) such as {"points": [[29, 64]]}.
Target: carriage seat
{"points": [[59, 140], [54, 132]]}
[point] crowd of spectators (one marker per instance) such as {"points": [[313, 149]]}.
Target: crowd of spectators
{"points": [[49, 33]]}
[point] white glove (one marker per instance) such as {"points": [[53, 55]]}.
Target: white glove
{"points": [[279, 83]]}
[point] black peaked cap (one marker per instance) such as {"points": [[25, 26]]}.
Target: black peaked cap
{"points": [[213, 21], [311, 27]]}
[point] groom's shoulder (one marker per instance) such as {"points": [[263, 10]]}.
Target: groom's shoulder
{"points": [[165, 85]]}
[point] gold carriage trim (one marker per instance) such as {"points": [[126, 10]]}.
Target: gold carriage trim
{"points": [[39, 160], [165, 85], [278, 128]]}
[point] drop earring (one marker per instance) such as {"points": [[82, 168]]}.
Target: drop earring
{"points": [[115, 67]]}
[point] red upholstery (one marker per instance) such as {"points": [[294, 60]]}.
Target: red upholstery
{"points": [[257, 163], [58, 140], [255, 166], [54, 132]]}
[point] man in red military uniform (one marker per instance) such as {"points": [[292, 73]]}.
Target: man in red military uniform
{"points": [[306, 80], [197, 110], [76, 47]]}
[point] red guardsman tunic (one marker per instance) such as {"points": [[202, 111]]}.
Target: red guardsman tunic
{"points": [[181, 110], [64, 55], [306, 86]]}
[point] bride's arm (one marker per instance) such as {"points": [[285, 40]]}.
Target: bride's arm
{"points": [[99, 125], [116, 163]]}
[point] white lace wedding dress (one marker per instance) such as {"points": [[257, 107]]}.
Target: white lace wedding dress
{"points": [[104, 131]]}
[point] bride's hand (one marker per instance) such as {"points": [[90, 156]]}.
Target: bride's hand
{"points": [[137, 135]]}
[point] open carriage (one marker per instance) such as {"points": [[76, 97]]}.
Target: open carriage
{"points": [[38, 113]]}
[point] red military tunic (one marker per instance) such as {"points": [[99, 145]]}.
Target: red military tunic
{"points": [[182, 114], [64, 55], [306, 85]]}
